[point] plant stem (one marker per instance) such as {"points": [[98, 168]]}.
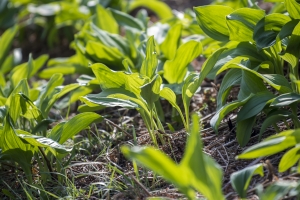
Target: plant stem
{"points": [[54, 177]]}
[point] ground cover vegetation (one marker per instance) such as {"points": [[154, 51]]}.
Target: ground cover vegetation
{"points": [[130, 100]]}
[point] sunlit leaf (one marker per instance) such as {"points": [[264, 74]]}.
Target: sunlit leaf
{"points": [[160, 8], [160, 163], [27, 70], [150, 91], [289, 159], [271, 146], [104, 20], [70, 128], [215, 27], [172, 41], [292, 52], [170, 96], [205, 174], [108, 79], [39, 141], [293, 8], [6, 42], [150, 63], [277, 81], [175, 70], [241, 23]]}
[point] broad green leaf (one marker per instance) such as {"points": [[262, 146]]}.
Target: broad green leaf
{"points": [[209, 64], [170, 96], [278, 190], [172, 41], [293, 8], [220, 114], [273, 119], [160, 163], [237, 52], [289, 159], [115, 97], [244, 130], [56, 80], [108, 39], [150, 91], [8, 63], [231, 78], [6, 40], [175, 70], [78, 92], [160, 8], [21, 87], [71, 65], [270, 146], [240, 180], [254, 105], [215, 27], [13, 148], [149, 65], [108, 79], [250, 84], [64, 67], [276, 21], [277, 81], [39, 141], [241, 23], [27, 70], [267, 29], [104, 20], [205, 174], [58, 93], [110, 56], [29, 110], [89, 108], [127, 20], [287, 29], [15, 108], [292, 52], [74, 126], [285, 99]]}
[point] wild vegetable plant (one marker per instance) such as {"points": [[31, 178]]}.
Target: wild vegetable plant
{"points": [[257, 48], [24, 129], [24, 118], [196, 171]]}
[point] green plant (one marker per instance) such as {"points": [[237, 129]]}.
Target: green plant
{"points": [[196, 171], [252, 64]]}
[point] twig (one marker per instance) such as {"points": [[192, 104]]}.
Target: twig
{"points": [[141, 185], [118, 127]]}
